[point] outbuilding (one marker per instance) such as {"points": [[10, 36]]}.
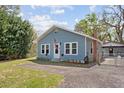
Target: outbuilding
{"points": [[111, 49]]}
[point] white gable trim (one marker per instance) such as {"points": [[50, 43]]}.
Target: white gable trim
{"points": [[66, 29]]}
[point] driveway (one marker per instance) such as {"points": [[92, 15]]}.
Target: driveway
{"points": [[77, 77]]}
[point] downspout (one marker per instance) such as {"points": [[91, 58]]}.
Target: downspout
{"points": [[85, 46]]}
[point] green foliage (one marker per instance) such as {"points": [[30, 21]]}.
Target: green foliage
{"points": [[16, 35], [32, 51], [13, 9], [87, 24], [91, 24]]}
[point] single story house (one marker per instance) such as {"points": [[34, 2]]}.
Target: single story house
{"points": [[61, 44], [112, 49]]}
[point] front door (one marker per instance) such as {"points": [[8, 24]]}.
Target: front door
{"points": [[110, 51], [56, 50]]}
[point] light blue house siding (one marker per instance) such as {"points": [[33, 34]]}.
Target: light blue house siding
{"points": [[61, 37], [89, 45]]}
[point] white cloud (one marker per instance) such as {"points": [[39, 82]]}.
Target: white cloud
{"points": [[53, 6], [20, 14], [61, 7], [36, 6], [76, 20], [33, 6], [54, 9], [43, 22], [92, 8], [57, 11]]}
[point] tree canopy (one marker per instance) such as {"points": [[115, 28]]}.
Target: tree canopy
{"points": [[15, 9], [16, 35], [92, 24], [113, 16], [109, 25]]}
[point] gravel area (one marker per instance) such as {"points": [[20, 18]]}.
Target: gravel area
{"points": [[103, 76]]}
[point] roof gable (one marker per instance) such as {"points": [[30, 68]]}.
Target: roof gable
{"points": [[65, 29]]}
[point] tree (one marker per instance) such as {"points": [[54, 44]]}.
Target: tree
{"points": [[15, 9], [32, 51], [16, 35], [113, 16], [92, 24]]}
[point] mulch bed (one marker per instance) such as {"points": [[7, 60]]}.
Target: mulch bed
{"points": [[63, 63]]}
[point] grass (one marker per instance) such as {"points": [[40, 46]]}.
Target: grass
{"points": [[14, 76]]}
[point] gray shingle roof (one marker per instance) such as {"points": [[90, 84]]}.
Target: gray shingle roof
{"points": [[112, 44]]}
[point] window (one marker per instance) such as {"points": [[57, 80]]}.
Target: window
{"points": [[67, 50], [42, 49], [71, 48], [45, 48], [74, 48]]}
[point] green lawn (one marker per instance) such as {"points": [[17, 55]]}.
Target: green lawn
{"points": [[14, 76]]}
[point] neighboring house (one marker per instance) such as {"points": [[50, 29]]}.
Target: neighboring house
{"points": [[62, 44], [112, 49]]}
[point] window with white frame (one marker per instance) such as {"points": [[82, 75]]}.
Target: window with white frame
{"points": [[71, 48], [74, 48], [42, 49], [67, 48], [45, 48]]}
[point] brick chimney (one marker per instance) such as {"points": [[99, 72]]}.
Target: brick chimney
{"points": [[95, 47]]}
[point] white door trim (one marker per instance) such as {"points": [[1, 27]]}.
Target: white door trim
{"points": [[57, 55]]}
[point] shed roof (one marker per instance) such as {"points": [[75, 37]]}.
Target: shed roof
{"points": [[112, 44], [66, 29]]}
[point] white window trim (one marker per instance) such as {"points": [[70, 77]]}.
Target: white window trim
{"points": [[45, 48], [70, 48], [41, 49], [65, 48]]}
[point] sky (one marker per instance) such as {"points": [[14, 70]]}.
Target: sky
{"points": [[42, 17]]}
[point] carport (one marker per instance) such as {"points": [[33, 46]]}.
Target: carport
{"points": [[112, 49]]}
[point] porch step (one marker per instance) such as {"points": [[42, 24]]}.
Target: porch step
{"points": [[56, 60]]}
